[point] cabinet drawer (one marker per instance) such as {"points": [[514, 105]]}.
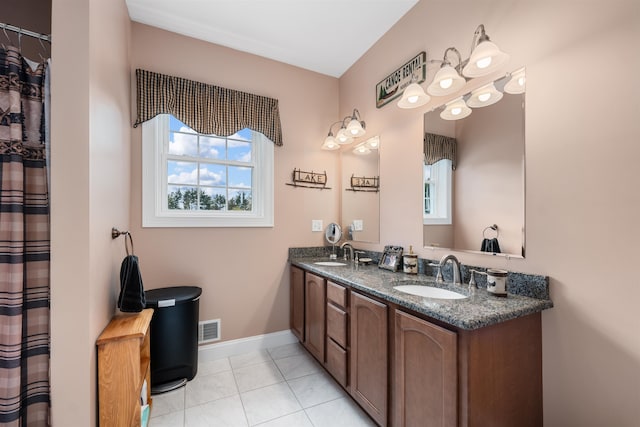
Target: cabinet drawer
{"points": [[337, 294], [337, 325], [337, 362]]}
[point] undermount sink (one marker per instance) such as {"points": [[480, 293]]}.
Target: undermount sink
{"points": [[429, 291], [330, 263]]}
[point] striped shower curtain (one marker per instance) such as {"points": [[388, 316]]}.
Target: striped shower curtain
{"points": [[24, 244]]}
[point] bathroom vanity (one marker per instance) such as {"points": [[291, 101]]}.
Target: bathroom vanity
{"points": [[414, 361]]}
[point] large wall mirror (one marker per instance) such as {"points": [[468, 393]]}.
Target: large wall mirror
{"points": [[479, 206], [361, 191]]}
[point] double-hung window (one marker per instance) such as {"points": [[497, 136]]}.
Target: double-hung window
{"points": [[197, 180], [438, 192]]}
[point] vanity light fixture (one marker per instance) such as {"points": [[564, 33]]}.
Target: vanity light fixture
{"points": [[485, 58], [413, 97], [486, 95], [455, 110], [517, 83], [447, 80], [350, 127]]}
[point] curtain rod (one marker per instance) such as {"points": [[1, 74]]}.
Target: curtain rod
{"points": [[19, 30]]}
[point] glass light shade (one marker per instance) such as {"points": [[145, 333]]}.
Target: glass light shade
{"points": [[355, 129], [343, 137], [446, 81], [485, 59], [330, 143], [413, 97], [517, 83], [373, 142], [455, 110], [361, 150], [486, 95]]}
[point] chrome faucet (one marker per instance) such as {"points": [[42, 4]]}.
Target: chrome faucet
{"points": [[348, 246], [456, 268]]}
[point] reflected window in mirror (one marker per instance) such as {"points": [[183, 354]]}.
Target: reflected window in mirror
{"points": [[437, 192]]}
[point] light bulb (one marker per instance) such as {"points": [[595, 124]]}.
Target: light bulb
{"points": [[456, 111], [483, 62], [446, 83], [483, 97], [521, 81], [412, 99]]}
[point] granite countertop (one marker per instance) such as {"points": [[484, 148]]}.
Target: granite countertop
{"points": [[478, 310]]}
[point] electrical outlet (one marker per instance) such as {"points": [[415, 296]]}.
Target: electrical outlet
{"points": [[316, 225], [358, 225]]}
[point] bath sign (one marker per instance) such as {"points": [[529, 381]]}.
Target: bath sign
{"points": [[392, 86]]}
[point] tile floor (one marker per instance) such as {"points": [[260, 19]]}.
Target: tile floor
{"points": [[279, 387]]}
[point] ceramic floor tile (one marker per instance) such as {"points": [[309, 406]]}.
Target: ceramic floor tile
{"points": [[286, 351], [213, 366], [206, 388], [257, 376], [225, 412], [168, 402], [174, 419], [298, 419], [251, 358], [314, 389], [339, 413], [297, 366], [269, 403]]}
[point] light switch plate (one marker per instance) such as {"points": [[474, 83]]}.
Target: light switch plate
{"points": [[316, 225], [358, 225]]}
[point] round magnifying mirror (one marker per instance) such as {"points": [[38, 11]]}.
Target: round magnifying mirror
{"points": [[333, 233]]}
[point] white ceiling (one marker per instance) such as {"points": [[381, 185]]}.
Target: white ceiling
{"points": [[326, 36]]}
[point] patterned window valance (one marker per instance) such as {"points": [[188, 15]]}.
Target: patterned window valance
{"points": [[438, 147], [206, 108]]}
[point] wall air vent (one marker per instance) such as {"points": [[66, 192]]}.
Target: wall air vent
{"points": [[208, 331]]}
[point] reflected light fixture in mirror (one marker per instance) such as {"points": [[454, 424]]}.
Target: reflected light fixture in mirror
{"points": [[484, 96], [365, 147], [455, 110], [350, 127], [516, 84], [485, 58]]}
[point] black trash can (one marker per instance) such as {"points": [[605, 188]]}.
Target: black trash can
{"points": [[174, 336]]}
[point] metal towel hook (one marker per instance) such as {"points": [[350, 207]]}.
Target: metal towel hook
{"points": [[115, 233]]}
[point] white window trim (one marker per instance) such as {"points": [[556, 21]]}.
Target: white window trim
{"points": [[444, 214], [155, 138]]}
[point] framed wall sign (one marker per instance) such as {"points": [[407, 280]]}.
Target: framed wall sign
{"points": [[394, 84]]}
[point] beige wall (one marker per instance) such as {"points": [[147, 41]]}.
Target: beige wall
{"points": [[583, 203], [90, 181], [242, 271]]}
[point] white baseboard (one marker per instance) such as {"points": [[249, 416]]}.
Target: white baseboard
{"points": [[245, 345]]}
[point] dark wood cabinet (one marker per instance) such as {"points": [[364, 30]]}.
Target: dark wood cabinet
{"points": [[337, 332], [369, 356], [431, 374], [314, 313], [425, 376], [296, 305]]}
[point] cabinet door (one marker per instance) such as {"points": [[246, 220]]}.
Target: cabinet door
{"points": [[425, 374], [369, 356], [296, 314], [314, 328]]}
